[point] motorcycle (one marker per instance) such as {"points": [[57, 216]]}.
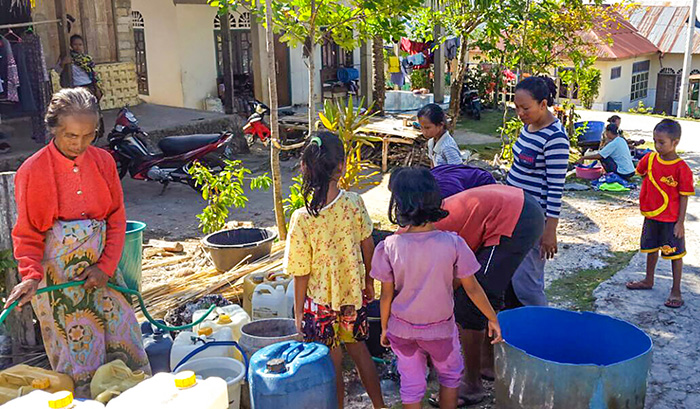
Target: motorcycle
{"points": [[471, 103], [128, 147], [257, 129]]}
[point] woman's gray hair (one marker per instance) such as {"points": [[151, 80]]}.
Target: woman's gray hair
{"points": [[70, 101]]}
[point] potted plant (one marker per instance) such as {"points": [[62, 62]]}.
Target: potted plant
{"points": [[223, 191]]}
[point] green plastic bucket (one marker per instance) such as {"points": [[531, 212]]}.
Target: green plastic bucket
{"points": [[130, 263]]}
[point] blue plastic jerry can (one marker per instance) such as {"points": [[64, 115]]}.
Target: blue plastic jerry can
{"points": [[292, 375], [157, 344]]}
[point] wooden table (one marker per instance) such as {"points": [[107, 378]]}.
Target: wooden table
{"points": [[390, 129]]}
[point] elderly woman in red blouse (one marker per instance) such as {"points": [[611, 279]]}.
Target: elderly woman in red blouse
{"points": [[71, 226]]}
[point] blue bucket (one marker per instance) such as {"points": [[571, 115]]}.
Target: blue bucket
{"points": [[554, 358], [130, 263], [594, 131], [346, 75]]}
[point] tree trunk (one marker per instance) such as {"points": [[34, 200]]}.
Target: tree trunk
{"points": [[379, 91], [227, 62], [20, 323], [312, 83], [274, 125], [457, 81]]}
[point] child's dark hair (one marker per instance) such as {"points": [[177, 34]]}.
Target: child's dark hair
{"points": [[320, 160], [669, 127], [612, 128], [434, 113], [75, 37], [614, 119], [415, 197], [541, 88]]}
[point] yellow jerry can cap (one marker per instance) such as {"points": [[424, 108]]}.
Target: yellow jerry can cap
{"points": [[185, 379], [205, 331], [224, 319], [60, 400], [41, 383]]}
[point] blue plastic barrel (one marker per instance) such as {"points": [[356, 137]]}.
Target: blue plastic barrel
{"points": [[593, 133], [554, 359], [292, 375], [346, 75], [130, 263]]}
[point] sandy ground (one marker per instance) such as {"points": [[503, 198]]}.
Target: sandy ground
{"points": [[592, 226]]}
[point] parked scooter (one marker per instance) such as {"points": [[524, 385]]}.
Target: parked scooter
{"points": [[131, 153], [471, 103], [257, 129]]}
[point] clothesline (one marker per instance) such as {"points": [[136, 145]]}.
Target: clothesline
{"points": [[32, 23]]}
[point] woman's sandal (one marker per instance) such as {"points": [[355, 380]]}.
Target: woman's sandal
{"points": [[638, 285], [674, 303]]}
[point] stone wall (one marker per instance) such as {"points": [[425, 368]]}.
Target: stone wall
{"points": [[125, 33]]}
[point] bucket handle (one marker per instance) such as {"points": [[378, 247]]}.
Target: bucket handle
{"points": [[290, 354], [212, 344], [264, 287], [17, 380]]}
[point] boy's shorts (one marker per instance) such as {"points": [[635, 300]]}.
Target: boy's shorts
{"points": [[331, 328], [658, 236]]}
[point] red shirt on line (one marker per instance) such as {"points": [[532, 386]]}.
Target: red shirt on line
{"points": [[664, 184], [51, 187], [484, 214]]}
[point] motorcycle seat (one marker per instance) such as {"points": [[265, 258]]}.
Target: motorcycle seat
{"points": [[176, 145]]}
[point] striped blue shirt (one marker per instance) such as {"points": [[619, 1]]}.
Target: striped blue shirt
{"points": [[540, 164]]}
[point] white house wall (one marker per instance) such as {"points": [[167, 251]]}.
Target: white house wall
{"points": [[162, 52], [195, 24], [619, 89]]}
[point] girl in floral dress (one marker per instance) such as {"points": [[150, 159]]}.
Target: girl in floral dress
{"points": [[329, 251]]}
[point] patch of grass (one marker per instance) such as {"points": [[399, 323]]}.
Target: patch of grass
{"points": [[488, 124], [485, 150], [577, 289]]}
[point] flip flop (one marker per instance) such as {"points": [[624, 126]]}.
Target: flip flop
{"points": [[674, 303], [462, 402], [637, 285]]}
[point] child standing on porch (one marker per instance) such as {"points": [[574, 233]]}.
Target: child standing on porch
{"points": [[668, 181], [329, 251], [417, 269]]}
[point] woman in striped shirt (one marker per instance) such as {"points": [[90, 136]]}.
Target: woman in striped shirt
{"points": [[541, 157]]}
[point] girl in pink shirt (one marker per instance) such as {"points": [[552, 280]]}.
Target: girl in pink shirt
{"points": [[417, 270]]}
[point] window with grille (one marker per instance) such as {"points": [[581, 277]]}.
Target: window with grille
{"points": [[139, 27], [615, 73], [640, 80]]}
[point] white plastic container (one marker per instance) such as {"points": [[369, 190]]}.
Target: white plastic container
{"points": [[174, 391], [59, 400], [290, 300], [269, 302], [230, 316], [230, 370], [187, 342]]}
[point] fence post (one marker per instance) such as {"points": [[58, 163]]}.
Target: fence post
{"points": [[20, 324]]}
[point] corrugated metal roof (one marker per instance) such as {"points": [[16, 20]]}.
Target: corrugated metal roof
{"points": [[626, 41], [665, 26]]}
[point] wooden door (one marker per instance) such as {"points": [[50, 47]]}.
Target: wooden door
{"points": [[141, 65], [94, 21], [284, 96], [665, 91]]}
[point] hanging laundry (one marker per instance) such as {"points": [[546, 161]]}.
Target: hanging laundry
{"points": [[412, 47], [416, 59], [26, 96], [8, 70], [394, 64], [451, 47], [41, 87]]}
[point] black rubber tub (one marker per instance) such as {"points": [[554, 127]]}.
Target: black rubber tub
{"points": [[230, 247]]}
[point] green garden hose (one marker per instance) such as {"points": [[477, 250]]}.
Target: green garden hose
{"points": [[123, 290]]}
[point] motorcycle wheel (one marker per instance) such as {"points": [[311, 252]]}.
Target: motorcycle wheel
{"points": [[250, 139], [215, 165], [122, 167]]}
